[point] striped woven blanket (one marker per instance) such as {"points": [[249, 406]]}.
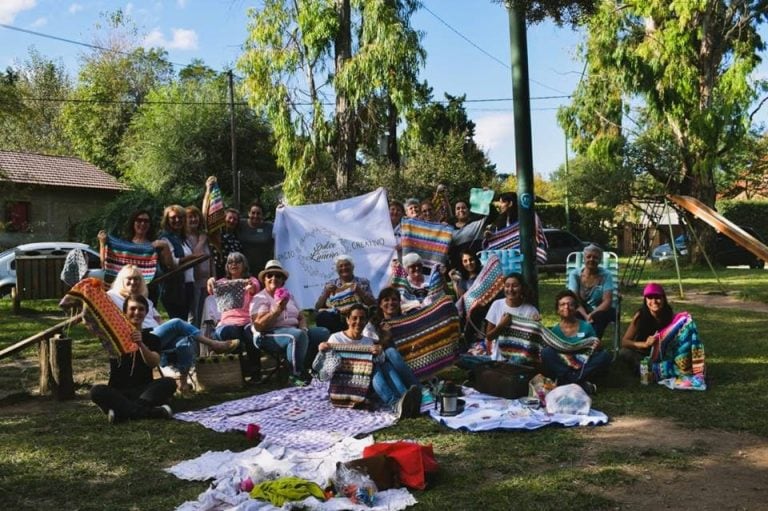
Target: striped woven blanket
{"points": [[487, 285], [434, 289], [214, 220], [509, 237], [678, 351], [352, 376], [343, 299], [103, 318], [121, 252], [429, 240], [428, 339], [521, 343]]}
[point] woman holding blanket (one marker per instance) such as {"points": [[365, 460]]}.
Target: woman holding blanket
{"points": [[393, 390], [594, 287], [279, 324], [586, 358], [176, 336], [516, 300], [338, 294], [233, 296], [671, 341]]}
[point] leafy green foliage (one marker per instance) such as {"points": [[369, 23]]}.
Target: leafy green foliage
{"points": [[587, 222], [290, 73], [182, 135], [752, 213]]}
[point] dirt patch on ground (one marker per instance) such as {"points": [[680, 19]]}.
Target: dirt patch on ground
{"points": [[721, 301], [692, 469]]}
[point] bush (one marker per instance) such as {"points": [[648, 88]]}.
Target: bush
{"points": [[750, 213], [590, 223]]}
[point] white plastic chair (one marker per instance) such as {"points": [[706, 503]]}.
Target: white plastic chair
{"points": [[610, 262]]}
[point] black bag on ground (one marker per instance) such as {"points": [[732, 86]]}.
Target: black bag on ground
{"points": [[501, 379]]}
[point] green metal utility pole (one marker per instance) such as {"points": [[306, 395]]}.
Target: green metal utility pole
{"points": [[518, 46]]}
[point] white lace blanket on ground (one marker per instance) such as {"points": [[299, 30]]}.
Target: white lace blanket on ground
{"points": [[299, 417], [484, 413], [270, 461]]}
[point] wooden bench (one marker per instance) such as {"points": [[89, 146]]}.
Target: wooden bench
{"points": [[38, 278]]}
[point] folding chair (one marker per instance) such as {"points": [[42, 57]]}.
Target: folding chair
{"points": [[276, 361], [611, 263]]}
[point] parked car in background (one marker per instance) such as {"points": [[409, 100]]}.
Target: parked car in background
{"points": [[560, 244], [726, 252], [8, 259]]}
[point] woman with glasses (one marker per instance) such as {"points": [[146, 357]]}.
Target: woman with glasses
{"points": [[138, 230], [594, 287], [279, 324], [233, 295], [198, 240], [177, 290], [574, 367]]}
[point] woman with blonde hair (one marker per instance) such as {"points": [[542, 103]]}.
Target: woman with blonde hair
{"points": [[176, 336], [197, 239]]}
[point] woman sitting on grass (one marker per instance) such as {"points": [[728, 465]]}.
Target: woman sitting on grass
{"points": [[393, 385], [671, 341], [575, 367], [176, 336], [132, 393], [516, 302]]}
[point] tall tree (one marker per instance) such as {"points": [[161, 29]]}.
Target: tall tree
{"points": [[111, 85], [181, 135], [302, 55], [40, 86]]}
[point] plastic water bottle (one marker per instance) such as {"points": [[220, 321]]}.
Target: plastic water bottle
{"points": [[645, 377]]}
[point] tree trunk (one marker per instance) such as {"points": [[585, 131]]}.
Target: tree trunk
{"points": [[346, 146], [56, 368]]}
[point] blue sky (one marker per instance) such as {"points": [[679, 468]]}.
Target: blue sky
{"points": [[213, 30]]}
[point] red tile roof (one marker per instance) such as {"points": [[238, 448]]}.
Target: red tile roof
{"points": [[67, 171]]}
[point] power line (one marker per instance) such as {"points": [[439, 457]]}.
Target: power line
{"points": [[483, 51]]}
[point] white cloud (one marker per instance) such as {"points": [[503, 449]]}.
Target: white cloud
{"points": [[10, 8], [181, 3], [128, 8], [493, 131], [39, 22], [75, 8], [183, 39]]}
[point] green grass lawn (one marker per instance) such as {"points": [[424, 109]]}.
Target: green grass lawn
{"points": [[64, 455]]}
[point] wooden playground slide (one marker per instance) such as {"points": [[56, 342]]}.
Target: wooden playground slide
{"points": [[721, 224]]}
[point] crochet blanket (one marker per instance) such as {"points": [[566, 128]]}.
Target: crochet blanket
{"points": [[428, 239], [301, 418], [214, 221], [229, 294], [434, 290], [121, 252], [428, 339], [487, 285], [343, 299], [678, 354], [103, 318], [522, 341], [509, 237], [351, 378]]}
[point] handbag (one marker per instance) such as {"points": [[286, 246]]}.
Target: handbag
{"points": [[501, 379]]}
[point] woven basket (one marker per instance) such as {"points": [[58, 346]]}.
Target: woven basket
{"points": [[219, 372]]}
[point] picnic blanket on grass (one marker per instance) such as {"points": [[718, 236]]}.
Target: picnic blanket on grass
{"points": [[302, 418], [485, 413], [677, 356], [509, 237], [270, 461], [522, 342], [428, 339], [428, 239], [121, 253], [102, 317]]}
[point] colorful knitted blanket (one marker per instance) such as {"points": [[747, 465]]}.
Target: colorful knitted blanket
{"points": [[428, 339], [679, 354], [343, 299], [215, 218], [103, 318], [522, 341], [441, 205], [509, 237], [487, 285], [429, 240], [121, 252], [480, 201], [351, 378], [435, 286]]}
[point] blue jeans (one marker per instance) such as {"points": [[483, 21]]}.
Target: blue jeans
{"points": [[245, 335], [177, 336], [404, 371], [392, 377], [296, 343], [555, 367]]}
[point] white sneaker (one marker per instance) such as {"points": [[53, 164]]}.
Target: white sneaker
{"points": [[111, 416]]}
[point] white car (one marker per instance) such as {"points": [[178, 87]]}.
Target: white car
{"points": [[8, 259]]}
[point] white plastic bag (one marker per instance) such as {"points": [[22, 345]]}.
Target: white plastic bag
{"points": [[568, 399]]}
